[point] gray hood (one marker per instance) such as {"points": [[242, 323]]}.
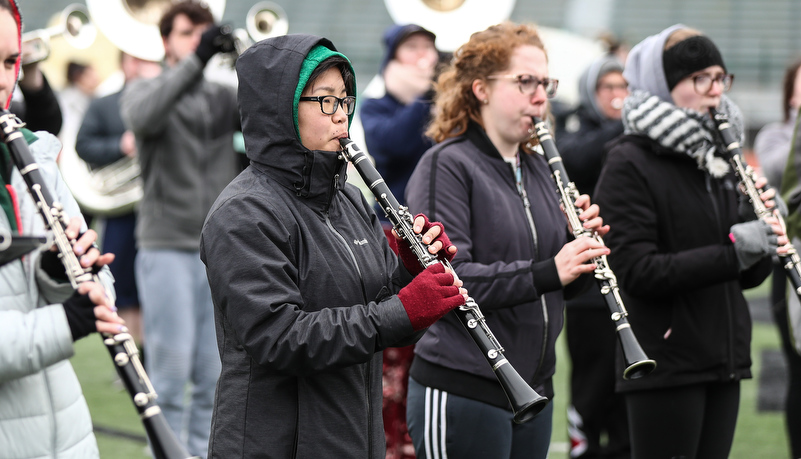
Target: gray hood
{"points": [[588, 83], [644, 68]]}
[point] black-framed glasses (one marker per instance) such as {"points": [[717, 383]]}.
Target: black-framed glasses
{"points": [[330, 104], [703, 83], [527, 84]]}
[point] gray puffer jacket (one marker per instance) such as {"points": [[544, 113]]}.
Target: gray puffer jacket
{"points": [[43, 413]]}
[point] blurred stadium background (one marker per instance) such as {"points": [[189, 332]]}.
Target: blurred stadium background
{"points": [[758, 38]]}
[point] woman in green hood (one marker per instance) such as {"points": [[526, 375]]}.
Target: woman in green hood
{"points": [[307, 291]]}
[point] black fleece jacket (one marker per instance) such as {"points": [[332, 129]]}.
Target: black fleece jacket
{"points": [[675, 264]]}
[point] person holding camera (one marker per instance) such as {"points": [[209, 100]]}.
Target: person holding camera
{"points": [[184, 127]]}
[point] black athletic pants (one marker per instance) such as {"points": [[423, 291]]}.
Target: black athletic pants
{"points": [[686, 422]]}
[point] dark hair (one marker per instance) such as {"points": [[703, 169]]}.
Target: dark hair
{"points": [[789, 88], [6, 5], [344, 69], [74, 71], [197, 12]]}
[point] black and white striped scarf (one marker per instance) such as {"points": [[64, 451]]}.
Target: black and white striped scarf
{"points": [[681, 130]]}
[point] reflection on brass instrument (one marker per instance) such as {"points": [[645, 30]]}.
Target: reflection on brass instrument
{"points": [[73, 24], [132, 26], [264, 20]]}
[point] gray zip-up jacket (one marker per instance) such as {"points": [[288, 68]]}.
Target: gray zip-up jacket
{"points": [[505, 260], [43, 413], [184, 128], [303, 283]]}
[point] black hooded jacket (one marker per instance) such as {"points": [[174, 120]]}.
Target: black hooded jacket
{"points": [[303, 283], [676, 265]]}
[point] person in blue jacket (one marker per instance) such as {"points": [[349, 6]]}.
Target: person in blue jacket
{"points": [[394, 123]]}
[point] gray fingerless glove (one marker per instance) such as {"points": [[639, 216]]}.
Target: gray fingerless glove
{"points": [[753, 241]]}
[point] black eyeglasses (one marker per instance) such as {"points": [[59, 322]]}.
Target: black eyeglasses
{"points": [[527, 84], [703, 82], [330, 104]]}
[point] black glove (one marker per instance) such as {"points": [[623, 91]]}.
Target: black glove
{"points": [[52, 265], [217, 39], [80, 315], [753, 241]]}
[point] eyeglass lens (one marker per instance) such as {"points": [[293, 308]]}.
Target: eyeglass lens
{"points": [[528, 85], [703, 83], [329, 104]]}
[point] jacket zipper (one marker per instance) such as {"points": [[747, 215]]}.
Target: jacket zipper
{"points": [[545, 318], [730, 363], [368, 372]]}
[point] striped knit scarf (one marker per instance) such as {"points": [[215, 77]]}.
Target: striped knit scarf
{"points": [[681, 130]]}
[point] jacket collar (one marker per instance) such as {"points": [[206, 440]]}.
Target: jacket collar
{"points": [[313, 175]]}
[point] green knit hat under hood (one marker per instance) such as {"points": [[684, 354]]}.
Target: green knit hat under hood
{"points": [[317, 55]]}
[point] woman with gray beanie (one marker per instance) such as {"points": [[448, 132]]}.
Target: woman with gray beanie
{"points": [[683, 248]]}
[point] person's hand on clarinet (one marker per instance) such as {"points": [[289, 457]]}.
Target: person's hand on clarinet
{"points": [[84, 248], [433, 235], [432, 294], [90, 310]]}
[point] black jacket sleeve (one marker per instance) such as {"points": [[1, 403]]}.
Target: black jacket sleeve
{"points": [[268, 318], [42, 111], [643, 266]]}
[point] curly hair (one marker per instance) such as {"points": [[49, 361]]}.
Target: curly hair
{"points": [[487, 52]]}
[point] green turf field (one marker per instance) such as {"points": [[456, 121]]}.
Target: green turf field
{"points": [[759, 434]]}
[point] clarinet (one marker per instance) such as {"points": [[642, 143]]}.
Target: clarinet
{"points": [[164, 443], [525, 401], [745, 173], [637, 363]]}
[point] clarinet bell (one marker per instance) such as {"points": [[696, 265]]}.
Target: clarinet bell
{"points": [[637, 363], [526, 402]]}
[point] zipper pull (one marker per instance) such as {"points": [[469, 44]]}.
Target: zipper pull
{"points": [[524, 195], [336, 181]]}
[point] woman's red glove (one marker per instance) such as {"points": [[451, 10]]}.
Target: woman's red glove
{"points": [[430, 296], [409, 259]]}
